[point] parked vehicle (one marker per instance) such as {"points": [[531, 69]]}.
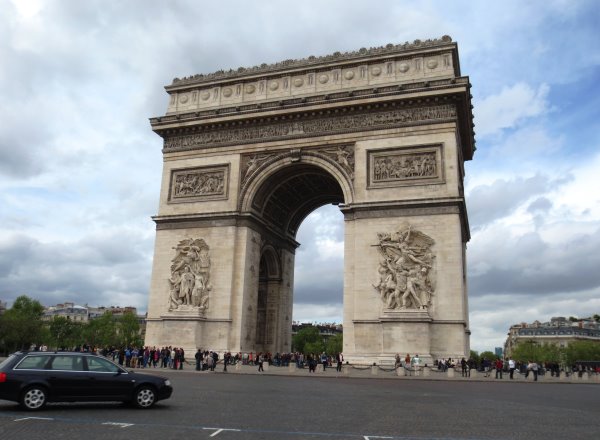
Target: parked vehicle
{"points": [[36, 378]]}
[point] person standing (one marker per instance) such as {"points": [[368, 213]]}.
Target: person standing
{"points": [[226, 358], [198, 357], [499, 367], [416, 362], [511, 367], [340, 360], [215, 356], [463, 367], [324, 361], [533, 367], [210, 360]]}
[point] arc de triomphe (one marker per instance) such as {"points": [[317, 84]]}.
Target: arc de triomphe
{"points": [[383, 133]]}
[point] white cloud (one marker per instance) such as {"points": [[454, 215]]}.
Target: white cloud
{"points": [[509, 107], [321, 313]]}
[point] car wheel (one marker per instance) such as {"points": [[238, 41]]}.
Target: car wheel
{"points": [[34, 398], [144, 397]]}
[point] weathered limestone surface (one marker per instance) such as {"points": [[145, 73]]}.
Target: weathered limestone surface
{"points": [[381, 132]]}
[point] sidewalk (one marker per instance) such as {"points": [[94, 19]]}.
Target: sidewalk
{"points": [[376, 372]]}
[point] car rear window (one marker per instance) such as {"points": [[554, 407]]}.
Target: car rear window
{"points": [[7, 361], [32, 362], [67, 363]]}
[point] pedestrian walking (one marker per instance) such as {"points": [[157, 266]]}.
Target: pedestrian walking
{"points": [[260, 359]]}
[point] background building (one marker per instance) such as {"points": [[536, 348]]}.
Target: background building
{"points": [[68, 310], [559, 331]]}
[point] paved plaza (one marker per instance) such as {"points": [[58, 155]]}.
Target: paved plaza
{"points": [[358, 405]]}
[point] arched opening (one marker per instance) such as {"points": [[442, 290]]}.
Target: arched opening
{"points": [[293, 192], [282, 201], [319, 267]]}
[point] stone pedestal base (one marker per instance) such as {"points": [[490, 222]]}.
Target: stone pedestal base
{"points": [[450, 372], [292, 367], [374, 370]]}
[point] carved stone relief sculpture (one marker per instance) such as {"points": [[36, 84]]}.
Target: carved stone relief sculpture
{"points": [[206, 183], [406, 278], [344, 156], [311, 127], [405, 166], [190, 276], [401, 166]]}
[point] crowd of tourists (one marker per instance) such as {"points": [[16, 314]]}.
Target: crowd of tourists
{"points": [[146, 357], [174, 358]]}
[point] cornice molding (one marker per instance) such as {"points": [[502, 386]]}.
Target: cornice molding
{"points": [[312, 61]]}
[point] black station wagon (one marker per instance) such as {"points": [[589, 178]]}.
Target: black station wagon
{"points": [[35, 378]]}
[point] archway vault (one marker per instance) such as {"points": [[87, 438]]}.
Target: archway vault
{"points": [[288, 187], [289, 194]]}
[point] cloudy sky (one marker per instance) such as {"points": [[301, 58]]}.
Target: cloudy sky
{"points": [[80, 167]]}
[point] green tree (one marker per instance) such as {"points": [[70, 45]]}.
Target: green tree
{"points": [[128, 330], [64, 333], [335, 344], [308, 340], [101, 332], [533, 351], [582, 351], [474, 355], [21, 325], [490, 355]]}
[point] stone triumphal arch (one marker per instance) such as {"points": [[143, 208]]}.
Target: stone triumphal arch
{"points": [[383, 133]]}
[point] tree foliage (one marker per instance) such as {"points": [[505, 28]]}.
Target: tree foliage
{"points": [[128, 330], [575, 351], [308, 340], [335, 344], [100, 332], [64, 333], [489, 355], [21, 326]]}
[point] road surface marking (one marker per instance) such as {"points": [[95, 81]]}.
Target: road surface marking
{"points": [[122, 425], [219, 430], [33, 418]]}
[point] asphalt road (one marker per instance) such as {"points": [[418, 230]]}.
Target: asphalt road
{"points": [[238, 406]]}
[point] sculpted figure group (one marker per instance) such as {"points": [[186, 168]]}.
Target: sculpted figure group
{"points": [[405, 279], [190, 276], [405, 166], [198, 184]]}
